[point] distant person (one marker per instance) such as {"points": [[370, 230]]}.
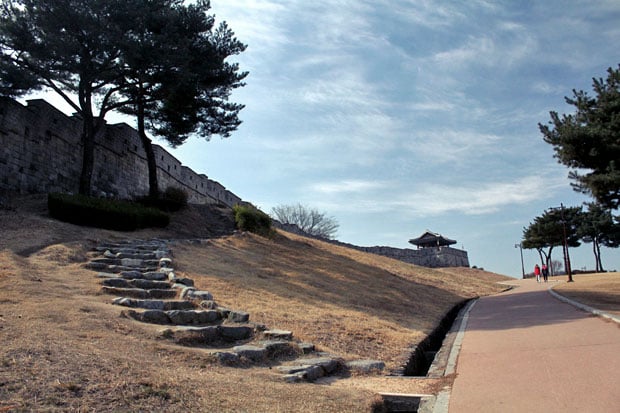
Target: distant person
{"points": [[545, 272], [537, 272]]}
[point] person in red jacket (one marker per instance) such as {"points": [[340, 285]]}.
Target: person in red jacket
{"points": [[537, 272]]}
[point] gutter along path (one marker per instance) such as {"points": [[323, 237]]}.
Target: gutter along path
{"points": [[526, 351]]}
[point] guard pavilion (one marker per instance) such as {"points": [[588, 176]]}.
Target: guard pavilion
{"points": [[431, 239], [434, 251]]}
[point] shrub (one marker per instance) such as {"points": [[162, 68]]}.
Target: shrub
{"points": [[104, 213], [174, 198], [171, 200], [249, 218]]}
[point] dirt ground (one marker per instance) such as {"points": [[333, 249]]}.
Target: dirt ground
{"points": [[63, 347]]}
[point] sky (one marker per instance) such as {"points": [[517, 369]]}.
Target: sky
{"points": [[401, 116]]}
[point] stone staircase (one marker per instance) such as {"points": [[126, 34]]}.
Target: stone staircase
{"points": [[141, 276]]}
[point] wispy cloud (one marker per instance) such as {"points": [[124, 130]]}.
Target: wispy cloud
{"points": [[432, 199], [447, 145], [476, 199], [346, 186]]}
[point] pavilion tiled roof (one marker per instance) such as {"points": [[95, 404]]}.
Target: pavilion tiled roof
{"points": [[431, 239]]}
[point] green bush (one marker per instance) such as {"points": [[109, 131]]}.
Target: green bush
{"points": [[104, 213], [171, 200], [252, 219], [174, 198]]}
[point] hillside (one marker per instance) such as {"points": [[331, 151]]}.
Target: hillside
{"points": [[64, 347]]}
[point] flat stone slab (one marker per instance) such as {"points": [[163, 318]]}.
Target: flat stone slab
{"points": [[238, 316], [188, 335], [326, 363], [187, 317], [304, 373], [365, 366], [165, 305], [234, 333], [176, 317], [190, 293], [136, 283], [306, 348], [139, 292], [249, 352], [278, 334]]}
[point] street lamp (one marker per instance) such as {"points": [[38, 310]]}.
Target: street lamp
{"points": [[520, 246]]}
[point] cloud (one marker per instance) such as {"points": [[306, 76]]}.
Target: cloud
{"points": [[432, 199], [346, 186], [476, 199], [455, 146]]}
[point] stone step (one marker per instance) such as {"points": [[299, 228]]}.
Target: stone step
{"points": [[137, 255], [280, 348], [164, 305], [111, 268], [192, 294], [276, 334], [261, 351], [134, 245], [136, 283], [253, 353], [140, 293], [106, 261], [176, 317], [310, 369], [209, 335], [152, 275]]}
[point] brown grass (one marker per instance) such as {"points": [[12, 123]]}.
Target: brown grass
{"points": [[63, 347], [601, 291]]}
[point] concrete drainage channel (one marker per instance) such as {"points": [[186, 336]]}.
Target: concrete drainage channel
{"points": [[434, 357]]}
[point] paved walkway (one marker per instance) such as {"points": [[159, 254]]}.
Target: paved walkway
{"points": [[526, 351]]}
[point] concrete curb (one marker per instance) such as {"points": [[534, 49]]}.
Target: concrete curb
{"points": [[583, 307]]}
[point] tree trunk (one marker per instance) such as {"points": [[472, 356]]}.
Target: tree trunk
{"points": [[88, 137], [88, 156], [150, 156], [595, 256], [598, 257]]}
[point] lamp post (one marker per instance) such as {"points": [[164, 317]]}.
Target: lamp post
{"points": [[520, 246]]}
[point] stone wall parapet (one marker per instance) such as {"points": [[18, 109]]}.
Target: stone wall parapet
{"points": [[426, 257], [41, 151]]}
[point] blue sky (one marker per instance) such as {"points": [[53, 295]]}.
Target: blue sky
{"points": [[399, 116]]}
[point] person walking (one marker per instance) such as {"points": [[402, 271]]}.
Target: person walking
{"points": [[537, 272], [545, 272]]}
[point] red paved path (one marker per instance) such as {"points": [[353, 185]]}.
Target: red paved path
{"points": [[525, 351]]}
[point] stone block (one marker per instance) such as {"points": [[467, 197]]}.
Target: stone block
{"points": [[327, 363], [149, 284], [365, 366], [149, 316], [253, 353], [236, 332], [239, 316], [278, 334], [155, 276], [116, 282], [131, 262]]}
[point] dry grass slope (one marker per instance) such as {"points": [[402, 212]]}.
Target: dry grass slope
{"points": [[63, 347]]}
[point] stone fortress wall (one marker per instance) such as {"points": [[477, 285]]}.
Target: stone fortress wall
{"points": [[41, 152], [434, 257]]}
